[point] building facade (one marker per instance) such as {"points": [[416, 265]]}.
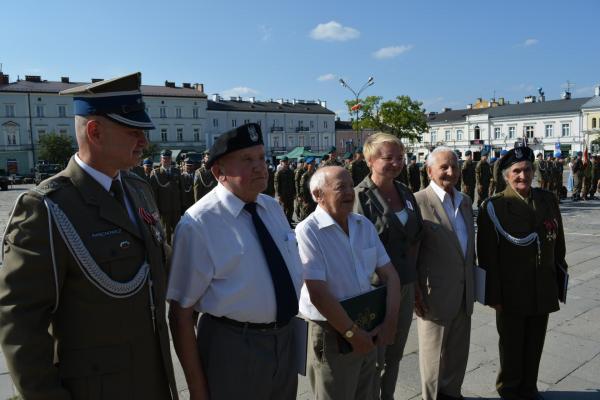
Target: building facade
{"points": [[184, 117]]}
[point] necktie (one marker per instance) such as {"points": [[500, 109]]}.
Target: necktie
{"points": [[285, 293], [117, 191]]}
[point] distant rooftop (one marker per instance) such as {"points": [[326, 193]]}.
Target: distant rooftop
{"points": [[251, 105]]}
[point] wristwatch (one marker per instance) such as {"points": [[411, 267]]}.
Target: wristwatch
{"points": [[349, 334]]}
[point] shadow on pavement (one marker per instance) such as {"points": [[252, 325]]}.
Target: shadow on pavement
{"points": [[571, 395]]}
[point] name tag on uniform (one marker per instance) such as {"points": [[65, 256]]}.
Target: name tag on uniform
{"points": [[409, 205], [106, 233]]}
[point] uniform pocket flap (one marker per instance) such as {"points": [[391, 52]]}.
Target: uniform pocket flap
{"points": [[94, 361]]}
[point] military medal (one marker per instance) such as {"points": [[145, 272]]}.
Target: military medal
{"points": [[551, 228], [152, 222]]}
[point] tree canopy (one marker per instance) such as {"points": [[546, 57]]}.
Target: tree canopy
{"points": [[56, 149], [402, 117]]}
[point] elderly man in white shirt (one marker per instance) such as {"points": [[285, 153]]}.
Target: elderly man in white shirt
{"points": [[235, 259], [340, 251], [444, 291]]}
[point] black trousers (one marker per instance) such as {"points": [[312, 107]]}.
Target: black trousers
{"points": [[520, 347]]}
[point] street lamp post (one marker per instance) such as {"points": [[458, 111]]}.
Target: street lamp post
{"points": [[370, 82]]}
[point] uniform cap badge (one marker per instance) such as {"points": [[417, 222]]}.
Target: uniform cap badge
{"points": [[518, 153], [252, 133]]}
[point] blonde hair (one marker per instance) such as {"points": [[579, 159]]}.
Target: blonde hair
{"points": [[374, 142]]}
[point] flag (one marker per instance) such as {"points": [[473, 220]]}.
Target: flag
{"points": [[356, 107]]}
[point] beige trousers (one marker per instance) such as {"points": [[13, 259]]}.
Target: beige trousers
{"points": [[443, 355]]}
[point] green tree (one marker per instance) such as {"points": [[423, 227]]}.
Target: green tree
{"points": [[402, 117], [150, 150], [56, 149]]}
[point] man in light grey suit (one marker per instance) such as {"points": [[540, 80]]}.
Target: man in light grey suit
{"points": [[444, 294]]}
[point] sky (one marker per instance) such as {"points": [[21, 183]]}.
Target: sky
{"points": [[441, 53]]}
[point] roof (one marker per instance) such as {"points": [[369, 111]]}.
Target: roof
{"points": [[55, 87], [594, 102], [267, 106], [509, 110], [343, 125]]}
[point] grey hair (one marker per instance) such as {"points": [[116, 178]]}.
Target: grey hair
{"points": [[319, 180], [432, 158]]}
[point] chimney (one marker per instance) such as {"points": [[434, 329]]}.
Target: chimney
{"points": [[529, 99], [280, 101], [432, 113], [215, 97], [199, 87], [446, 109], [469, 106], [232, 98], [566, 95], [323, 103], [33, 78], [94, 80], [596, 89], [294, 101], [252, 99], [186, 85], [501, 101], [169, 84], [239, 98], [64, 79], [3, 79]]}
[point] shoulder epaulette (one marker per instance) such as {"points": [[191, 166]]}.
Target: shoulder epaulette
{"points": [[51, 185]]}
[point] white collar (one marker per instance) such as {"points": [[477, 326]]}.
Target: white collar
{"points": [[232, 203], [325, 220], [441, 194], [104, 180]]}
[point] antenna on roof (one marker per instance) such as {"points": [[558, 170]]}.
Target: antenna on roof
{"points": [[0, 68]]}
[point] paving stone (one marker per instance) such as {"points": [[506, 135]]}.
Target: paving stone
{"points": [[570, 347], [587, 325], [555, 368], [573, 388], [590, 371]]}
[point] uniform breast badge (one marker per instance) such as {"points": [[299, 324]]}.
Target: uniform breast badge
{"points": [[152, 222], [551, 226]]}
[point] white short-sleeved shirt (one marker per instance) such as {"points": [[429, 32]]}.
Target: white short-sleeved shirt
{"points": [[218, 265], [345, 262]]}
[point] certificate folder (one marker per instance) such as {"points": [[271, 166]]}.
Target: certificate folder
{"points": [[366, 310], [562, 280]]}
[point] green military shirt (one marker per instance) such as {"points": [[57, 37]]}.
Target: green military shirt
{"points": [[308, 205], [483, 174], [468, 173], [270, 189], [520, 278], [187, 191], [204, 182], [284, 184], [75, 330]]}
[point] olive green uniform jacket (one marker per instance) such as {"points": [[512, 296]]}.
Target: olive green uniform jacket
{"points": [[284, 185], [167, 193], [483, 175], [63, 337], [358, 170], [516, 278], [204, 182], [187, 191]]}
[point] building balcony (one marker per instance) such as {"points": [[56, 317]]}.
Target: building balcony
{"points": [[302, 129], [277, 129]]}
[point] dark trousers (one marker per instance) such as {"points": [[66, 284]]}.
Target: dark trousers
{"points": [[242, 363], [469, 190], [288, 208], [520, 347]]}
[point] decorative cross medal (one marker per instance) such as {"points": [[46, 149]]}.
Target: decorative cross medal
{"points": [[152, 221]]}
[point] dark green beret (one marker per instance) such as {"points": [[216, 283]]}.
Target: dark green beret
{"points": [[242, 137], [518, 154]]}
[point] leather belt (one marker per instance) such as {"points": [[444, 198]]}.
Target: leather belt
{"points": [[250, 325]]}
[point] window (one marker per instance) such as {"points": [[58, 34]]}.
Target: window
{"points": [[459, 134], [11, 139], [325, 124], [177, 112], [9, 110], [566, 129], [11, 131], [196, 135], [62, 111], [163, 112], [529, 131], [433, 137], [511, 132], [163, 135], [63, 131], [447, 135], [593, 123], [300, 140], [41, 132], [477, 133], [276, 141], [326, 141], [313, 141], [312, 125], [215, 123], [246, 121], [39, 111], [549, 130], [497, 133], [259, 122], [290, 141], [180, 134], [300, 124], [233, 123], [195, 113]]}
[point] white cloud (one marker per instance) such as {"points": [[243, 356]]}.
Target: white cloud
{"points": [[392, 51], [586, 90], [265, 32], [326, 77], [239, 91], [333, 31], [529, 42]]}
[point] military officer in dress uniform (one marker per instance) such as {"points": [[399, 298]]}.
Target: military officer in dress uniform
{"points": [[414, 178], [187, 184], [284, 188], [483, 175], [332, 160], [90, 237], [147, 165], [235, 259], [520, 243], [204, 181], [578, 174], [165, 182], [307, 203], [467, 176], [358, 168]]}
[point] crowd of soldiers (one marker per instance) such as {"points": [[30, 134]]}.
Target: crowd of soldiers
{"points": [[586, 176]]}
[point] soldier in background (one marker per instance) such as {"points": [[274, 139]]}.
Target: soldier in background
{"points": [[424, 175], [270, 190], [403, 177], [557, 176], [595, 176], [147, 166], [138, 170], [414, 178], [578, 173], [358, 168], [539, 166], [483, 175], [165, 184], [285, 191], [498, 183], [587, 178], [187, 184], [204, 181], [298, 172], [307, 203], [332, 159], [468, 176], [348, 156]]}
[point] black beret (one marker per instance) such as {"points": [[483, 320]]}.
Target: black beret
{"points": [[242, 137], [468, 153], [518, 154], [166, 153]]}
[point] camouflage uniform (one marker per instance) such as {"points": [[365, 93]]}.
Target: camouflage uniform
{"points": [[468, 179], [307, 205], [297, 177], [424, 176], [270, 189], [285, 191], [187, 191]]}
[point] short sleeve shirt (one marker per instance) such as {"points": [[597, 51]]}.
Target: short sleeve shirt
{"points": [[345, 262]]}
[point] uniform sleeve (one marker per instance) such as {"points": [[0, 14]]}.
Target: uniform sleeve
{"points": [[487, 256], [191, 267], [560, 249], [27, 298], [313, 262]]}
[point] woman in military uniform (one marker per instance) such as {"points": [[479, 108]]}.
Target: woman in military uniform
{"points": [[521, 245], [392, 208]]}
